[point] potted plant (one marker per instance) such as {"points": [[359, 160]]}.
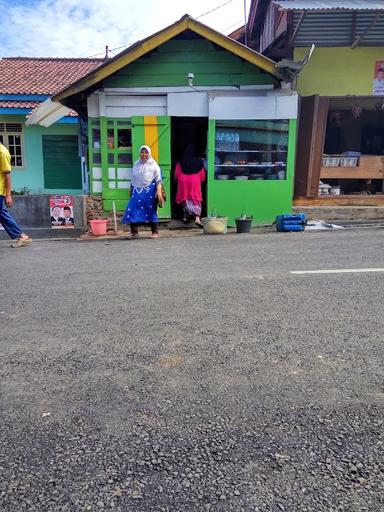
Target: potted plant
{"points": [[243, 223]]}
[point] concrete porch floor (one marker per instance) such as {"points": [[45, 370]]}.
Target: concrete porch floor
{"points": [[341, 208], [342, 213]]}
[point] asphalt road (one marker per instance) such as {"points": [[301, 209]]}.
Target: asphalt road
{"points": [[193, 374]]}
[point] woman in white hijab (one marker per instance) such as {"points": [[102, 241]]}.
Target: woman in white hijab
{"points": [[146, 194]]}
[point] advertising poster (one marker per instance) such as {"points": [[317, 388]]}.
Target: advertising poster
{"points": [[61, 211], [378, 79]]}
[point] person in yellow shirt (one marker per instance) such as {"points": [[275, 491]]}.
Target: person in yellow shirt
{"points": [[8, 222]]}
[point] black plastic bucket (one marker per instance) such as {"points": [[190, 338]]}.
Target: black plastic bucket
{"points": [[243, 225]]}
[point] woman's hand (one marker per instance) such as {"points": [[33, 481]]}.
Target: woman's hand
{"points": [[160, 198], [159, 195]]}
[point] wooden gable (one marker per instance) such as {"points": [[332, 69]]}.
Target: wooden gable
{"points": [[169, 64]]}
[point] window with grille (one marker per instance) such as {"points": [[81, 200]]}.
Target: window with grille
{"points": [[11, 135]]}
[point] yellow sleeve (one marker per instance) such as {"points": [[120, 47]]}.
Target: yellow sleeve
{"points": [[5, 161]]}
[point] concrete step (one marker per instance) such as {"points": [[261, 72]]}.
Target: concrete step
{"points": [[342, 213]]}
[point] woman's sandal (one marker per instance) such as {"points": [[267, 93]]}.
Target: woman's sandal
{"points": [[154, 235], [132, 236], [199, 225]]}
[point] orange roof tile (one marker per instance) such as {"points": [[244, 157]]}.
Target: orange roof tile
{"points": [[31, 75], [30, 105], [19, 104]]}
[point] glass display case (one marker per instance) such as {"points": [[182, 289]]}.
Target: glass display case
{"points": [[251, 150]]}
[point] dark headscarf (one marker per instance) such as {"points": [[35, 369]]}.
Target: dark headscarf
{"points": [[189, 163]]}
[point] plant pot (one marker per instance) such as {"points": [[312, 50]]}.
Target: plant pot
{"points": [[243, 225]]}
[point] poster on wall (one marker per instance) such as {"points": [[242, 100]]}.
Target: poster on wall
{"points": [[378, 79], [61, 211]]}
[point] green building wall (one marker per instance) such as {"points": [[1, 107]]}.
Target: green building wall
{"points": [[338, 71], [168, 66], [170, 63], [261, 199], [31, 176]]}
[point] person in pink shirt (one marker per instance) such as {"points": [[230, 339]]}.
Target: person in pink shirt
{"points": [[189, 175]]}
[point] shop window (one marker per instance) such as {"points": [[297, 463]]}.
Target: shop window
{"points": [[119, 141], [124, 138], [251, 150], [97, 185], [353, 154], [95, 142], [96, 158], [11, 135], [110, 153], [96, 138]]}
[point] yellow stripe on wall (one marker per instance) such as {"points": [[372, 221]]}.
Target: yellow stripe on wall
{"points": [[151, 135]]}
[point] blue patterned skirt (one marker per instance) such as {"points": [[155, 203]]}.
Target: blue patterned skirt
{"points": [[142, 206]]}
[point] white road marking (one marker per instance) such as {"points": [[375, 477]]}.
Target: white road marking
{"points": [[338, 271]]}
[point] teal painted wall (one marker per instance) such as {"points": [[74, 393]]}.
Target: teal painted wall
{"points": [[31, 175], [170, 63]]}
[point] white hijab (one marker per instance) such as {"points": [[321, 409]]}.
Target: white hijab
{"points": [[144, 172]]}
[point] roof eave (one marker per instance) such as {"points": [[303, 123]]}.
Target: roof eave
{"points": [[142, 47]]}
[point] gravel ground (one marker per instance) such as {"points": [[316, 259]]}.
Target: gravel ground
{"points": [[193, 374]]}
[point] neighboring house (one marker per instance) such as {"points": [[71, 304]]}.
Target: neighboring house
{"points": [[189, 83], [341, 89], [45, 160]]}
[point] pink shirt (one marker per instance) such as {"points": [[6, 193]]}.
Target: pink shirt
{"points": [[189, 185]]}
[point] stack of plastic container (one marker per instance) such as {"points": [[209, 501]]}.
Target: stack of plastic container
{"points": [[290, 222]]}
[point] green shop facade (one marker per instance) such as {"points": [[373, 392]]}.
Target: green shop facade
{"points": [[190, 84]]}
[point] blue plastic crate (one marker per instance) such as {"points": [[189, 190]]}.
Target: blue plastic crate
{"points": [[291, 222]]}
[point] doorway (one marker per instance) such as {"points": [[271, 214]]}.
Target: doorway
{"points": [[184, 131]]}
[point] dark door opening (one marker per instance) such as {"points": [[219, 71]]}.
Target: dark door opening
{"points": [[184, 131]]}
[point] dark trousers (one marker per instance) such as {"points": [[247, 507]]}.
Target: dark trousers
{"points": [[8, 222], [135, 228]]}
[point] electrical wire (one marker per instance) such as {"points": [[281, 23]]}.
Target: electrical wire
{"points": [[198, 17], [214, 9], [109, 50], [236, 24]]}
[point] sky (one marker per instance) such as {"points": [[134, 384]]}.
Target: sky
{"points": [[82, 28]]}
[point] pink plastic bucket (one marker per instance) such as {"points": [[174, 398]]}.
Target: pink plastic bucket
{"points": [[98, 227]]}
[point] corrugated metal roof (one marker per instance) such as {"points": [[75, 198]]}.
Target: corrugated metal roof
{"points": [[338, 29], [337, 22], [355, 5]]}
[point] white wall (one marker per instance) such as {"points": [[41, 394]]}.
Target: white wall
{"points": [[220, 104], [252, 107]]}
